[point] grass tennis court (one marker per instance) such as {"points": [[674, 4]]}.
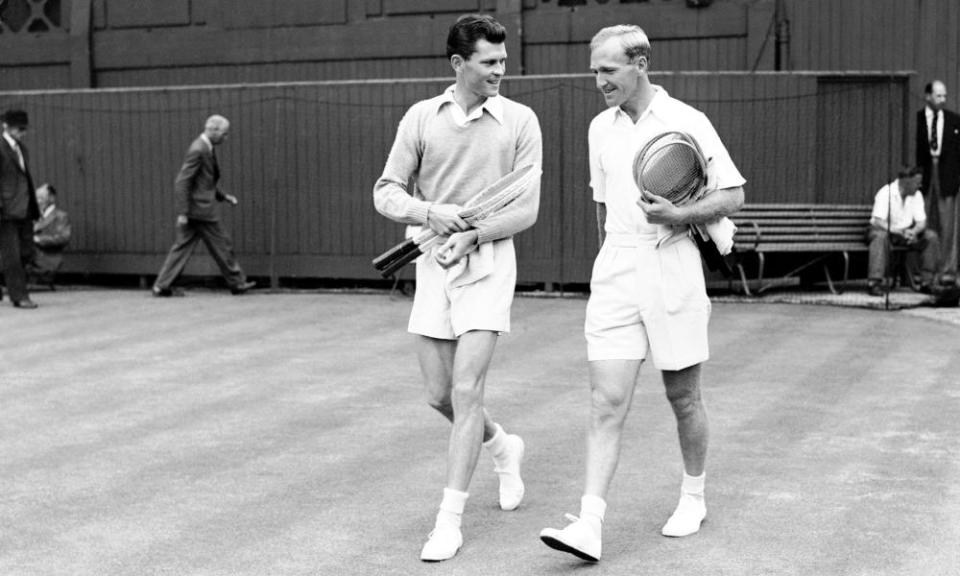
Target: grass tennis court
{"points": [[286, 434]]}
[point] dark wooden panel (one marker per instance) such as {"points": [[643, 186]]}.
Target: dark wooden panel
{"points": [[189, 46], [429, 6], [147, 13], [259, 14], [35, 50], [303, 158], [550, 25]]}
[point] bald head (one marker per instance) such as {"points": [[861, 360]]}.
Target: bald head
{"points": [[216, 129], [935, 93]]}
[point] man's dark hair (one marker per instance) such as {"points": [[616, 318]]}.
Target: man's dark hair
{"points": [[928, 89], [469, 28], [15, 118], [50, 189], [909, 171]]}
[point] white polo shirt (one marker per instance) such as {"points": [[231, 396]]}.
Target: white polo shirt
{"points": [[904, 211], [615, 139]]}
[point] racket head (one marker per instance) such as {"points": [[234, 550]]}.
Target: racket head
{"points": [[500, 193], [671, 165]]}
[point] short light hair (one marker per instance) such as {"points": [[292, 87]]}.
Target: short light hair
{"points": [[216, 122], [632, 38]]}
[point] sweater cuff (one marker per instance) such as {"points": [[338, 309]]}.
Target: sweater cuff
{"points": [[419, 210]]}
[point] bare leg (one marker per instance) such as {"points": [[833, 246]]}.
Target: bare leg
{"points": [[436, 363], [612, 384], [683, 391]]}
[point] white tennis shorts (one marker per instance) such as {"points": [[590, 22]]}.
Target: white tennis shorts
{"points": [[648, 301], [444, 312]]}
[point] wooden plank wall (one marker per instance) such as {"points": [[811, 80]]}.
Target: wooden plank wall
{"points": [[303, 158]]}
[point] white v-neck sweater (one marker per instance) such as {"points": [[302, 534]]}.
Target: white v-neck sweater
{"points": [[448, 164]]}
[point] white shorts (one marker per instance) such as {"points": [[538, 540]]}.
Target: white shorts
{"points": [[648, 299], [445, 312]]}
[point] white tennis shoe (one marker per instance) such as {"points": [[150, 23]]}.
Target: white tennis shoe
{"points": [[507, 466], [578, 538], [687, 517], [442, 543]]}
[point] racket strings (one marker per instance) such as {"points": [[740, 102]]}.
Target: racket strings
{"points": [[671, 166]]}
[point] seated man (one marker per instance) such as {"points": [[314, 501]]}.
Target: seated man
{"points": [[51, 233], [899, 219]]}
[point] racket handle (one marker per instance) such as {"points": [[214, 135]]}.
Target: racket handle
{"points": [[711, 255], [383, 260], [409, 256], [400, 261]]}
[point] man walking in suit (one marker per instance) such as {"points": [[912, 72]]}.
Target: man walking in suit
{"points": [[51, 234], [938, 153], [198, 218], [18, 208]]}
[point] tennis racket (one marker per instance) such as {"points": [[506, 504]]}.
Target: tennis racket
{"points": [[485, 203], [672, 166]]}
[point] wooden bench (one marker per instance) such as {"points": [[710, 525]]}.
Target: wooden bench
{"points": [[812, 232]]}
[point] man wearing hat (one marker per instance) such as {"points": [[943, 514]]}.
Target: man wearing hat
{"points": [[18, 208]]}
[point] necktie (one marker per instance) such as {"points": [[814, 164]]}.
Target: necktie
{"points": [[933, 133], [23, 165]]}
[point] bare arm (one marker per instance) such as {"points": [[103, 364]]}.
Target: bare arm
{"points": [[601, 222], [716, 204]]}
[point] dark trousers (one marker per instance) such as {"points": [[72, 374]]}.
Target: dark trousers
{"points": [[949, 236], [218, 244], [16, 253], [927, 245]]}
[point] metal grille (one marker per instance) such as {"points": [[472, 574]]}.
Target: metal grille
{"points": [[30, 16]]}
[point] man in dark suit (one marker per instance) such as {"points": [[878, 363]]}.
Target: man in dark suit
{"points": [[197, 195], [18, 208], [51, 234], [938, 153]]}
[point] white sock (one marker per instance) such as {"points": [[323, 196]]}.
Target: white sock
{"points": [[451, 507], [693, 485], [592, 511], [497, 444]]}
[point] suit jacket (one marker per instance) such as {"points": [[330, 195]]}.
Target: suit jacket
{"points": [[949, 166], [17, 200], [51, 235], [196, 190]]}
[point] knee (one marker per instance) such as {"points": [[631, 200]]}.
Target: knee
{"points": [[608, 406], [467, 393], [440, 402], [685, 402]]}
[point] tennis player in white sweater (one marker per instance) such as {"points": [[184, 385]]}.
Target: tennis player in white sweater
{"points": [[451, 147]]}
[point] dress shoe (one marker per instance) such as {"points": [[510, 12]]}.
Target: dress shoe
{"points": [[876, 290], [25, 303], [242, 288], [167, 292]]}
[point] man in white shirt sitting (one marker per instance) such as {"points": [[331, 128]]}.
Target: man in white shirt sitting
{"points": [[899, 219]]}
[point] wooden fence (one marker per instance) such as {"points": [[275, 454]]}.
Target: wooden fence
{"points": [[303, 157]]}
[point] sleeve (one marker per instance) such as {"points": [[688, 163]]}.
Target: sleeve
{"points": [[919, 213], [185, 180], [57, 235], [596, 168], [523, 213], [879, 206], [390, 195], [718, 158]]}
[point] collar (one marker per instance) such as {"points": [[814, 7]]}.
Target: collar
{"points": [[49, 210], [13, 143], [655, 107], [493, 105], [930, 111], [203, 137]]}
